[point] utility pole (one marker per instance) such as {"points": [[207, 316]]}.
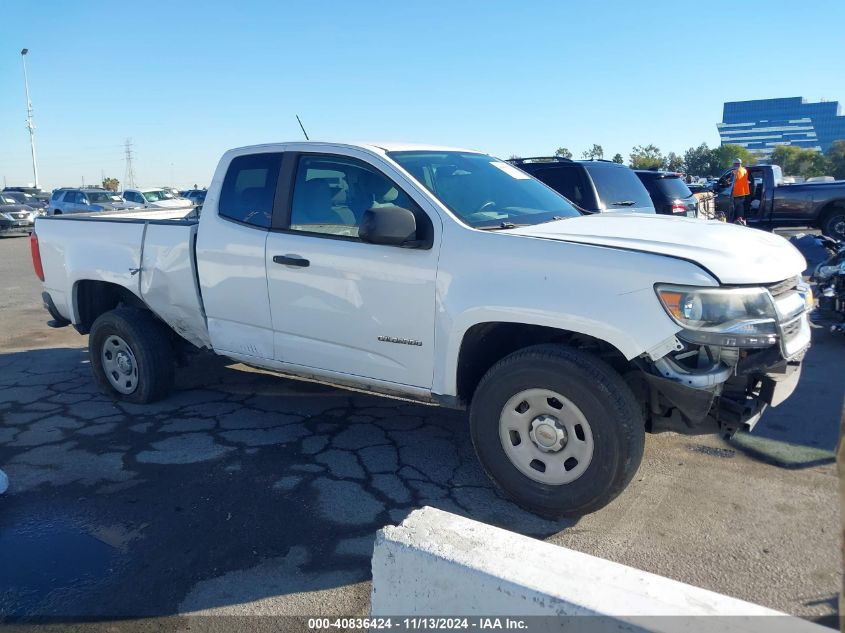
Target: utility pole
{"points": [[129, 175], [29, 124]]}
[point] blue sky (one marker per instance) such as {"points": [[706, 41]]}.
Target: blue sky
{"points": [[188, 80]]}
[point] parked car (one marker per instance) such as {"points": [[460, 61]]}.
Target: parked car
{"points": [[71, 200], [35, 192], [775, 204], [155, 199], [27, 199], [669, 192], [449, 277], [196, 196], [173, 191], [593, 185], [15, 218]]}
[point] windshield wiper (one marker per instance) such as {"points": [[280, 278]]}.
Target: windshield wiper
{"points": [[623, 203], [499, 227]]}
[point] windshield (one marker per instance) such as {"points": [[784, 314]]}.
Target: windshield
{"points": [[483, 191], [155, 196], [99, 196]]}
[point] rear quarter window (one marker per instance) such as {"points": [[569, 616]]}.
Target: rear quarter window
{"points": [[569, 181], [249, 189]]}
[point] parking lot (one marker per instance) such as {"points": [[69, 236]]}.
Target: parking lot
{"points": [[244, 493]]}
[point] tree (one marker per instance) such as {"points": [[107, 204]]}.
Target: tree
{"points": [[698, 161], [647, 157], [111, 184], [836, 159], [617, 158], [725, 155], [798, 161], [674, 162], [563, 152], [593, 153], [511, 157]]}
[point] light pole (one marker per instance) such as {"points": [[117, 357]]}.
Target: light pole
{"points": [[29, 124]]}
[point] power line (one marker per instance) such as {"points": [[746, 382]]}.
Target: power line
{"points": [[129, 174]]}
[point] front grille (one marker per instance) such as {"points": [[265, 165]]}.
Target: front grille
{"points": [[782, 287]]}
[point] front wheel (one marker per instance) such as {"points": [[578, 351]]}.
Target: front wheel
{"points": [[557, 430], [834, 224], [131, 355]]}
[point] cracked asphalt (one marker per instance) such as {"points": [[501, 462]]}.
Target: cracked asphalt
{"points": [[247, 494]]}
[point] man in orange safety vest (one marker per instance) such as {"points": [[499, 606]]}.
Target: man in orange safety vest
{"points": [[740, 191]]}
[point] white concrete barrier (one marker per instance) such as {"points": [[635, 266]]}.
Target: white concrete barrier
{"points": [[440, 564]]}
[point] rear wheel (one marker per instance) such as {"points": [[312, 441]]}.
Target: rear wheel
{"points": [[557, 429], [131, 355], [833, 224]]}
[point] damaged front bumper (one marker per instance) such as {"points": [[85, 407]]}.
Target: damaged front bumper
{"points": [[725, 408], [704, 389]]}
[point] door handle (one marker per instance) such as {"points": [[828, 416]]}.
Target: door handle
{"points": [[291, 260]]}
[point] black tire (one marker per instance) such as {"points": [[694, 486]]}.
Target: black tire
{"points": [[606, 402], [833, 224], [149, 341]]}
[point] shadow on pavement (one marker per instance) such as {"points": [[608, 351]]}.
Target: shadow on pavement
{"points": [[240, 488], [803, 431]]}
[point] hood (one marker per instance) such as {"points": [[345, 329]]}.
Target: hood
{"points": [[15, 208], [34, 204], [733, 254]]}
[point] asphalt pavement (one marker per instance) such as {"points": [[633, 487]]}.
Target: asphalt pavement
{"points": [[244, 493]]}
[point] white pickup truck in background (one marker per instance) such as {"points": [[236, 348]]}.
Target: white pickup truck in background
{"points": [[448, 277]]}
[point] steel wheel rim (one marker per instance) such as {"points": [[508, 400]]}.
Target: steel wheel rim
{"points": [[119, 364], [546, 436], [838, 227]]}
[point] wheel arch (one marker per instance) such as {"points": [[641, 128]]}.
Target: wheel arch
{"points": [[91, 298], [484, 344]]}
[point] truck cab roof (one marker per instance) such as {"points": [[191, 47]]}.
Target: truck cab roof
{"points": [[373, 146]]}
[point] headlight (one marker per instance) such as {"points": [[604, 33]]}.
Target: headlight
{"points": [[8, 216], [727, 317]]}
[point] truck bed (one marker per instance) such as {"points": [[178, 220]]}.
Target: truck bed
{"points": [[150, 253]]}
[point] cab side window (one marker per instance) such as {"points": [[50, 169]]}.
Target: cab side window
{"points": [[332, 193], [249, 189]]}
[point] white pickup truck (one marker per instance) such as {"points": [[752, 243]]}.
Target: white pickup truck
{"points": [[452, 278]]}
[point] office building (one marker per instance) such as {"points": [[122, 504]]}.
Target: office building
{"points": [[763, 124]]}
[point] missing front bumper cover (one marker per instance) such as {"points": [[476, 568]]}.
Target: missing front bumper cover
{"points": [[740, 405]]}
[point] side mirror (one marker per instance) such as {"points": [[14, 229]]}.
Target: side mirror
{"points": [[392, 226]]}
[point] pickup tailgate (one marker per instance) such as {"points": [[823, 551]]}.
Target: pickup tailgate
{"points": [[151, 255]]}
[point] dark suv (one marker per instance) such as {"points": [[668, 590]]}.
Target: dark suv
{"points": [[593, 185], [669, 192]]}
